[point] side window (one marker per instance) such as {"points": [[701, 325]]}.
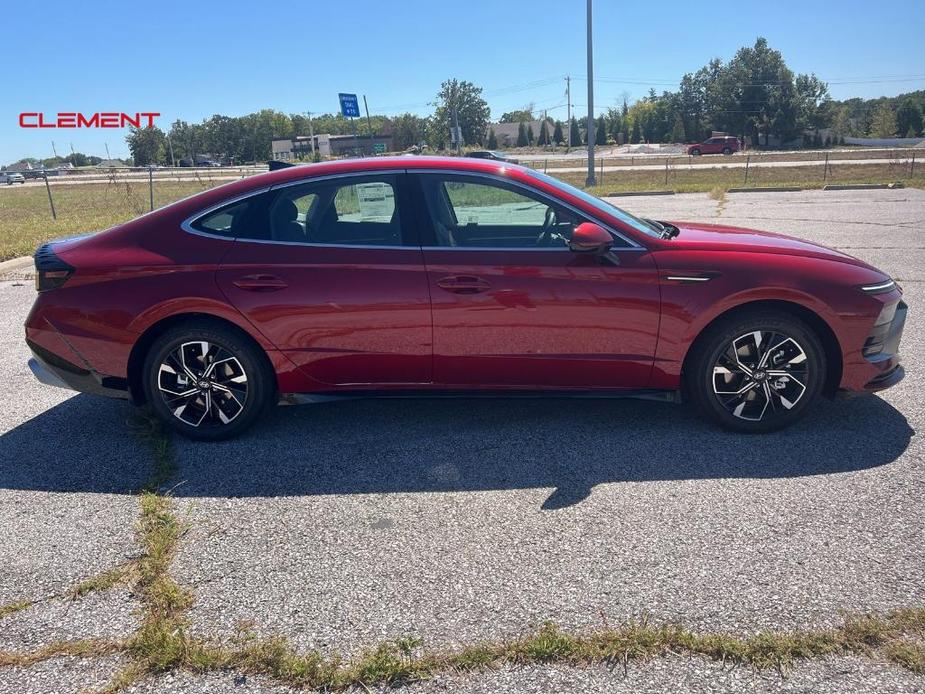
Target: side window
{"points": [[466, 212], [225, 221], [343, 212]]}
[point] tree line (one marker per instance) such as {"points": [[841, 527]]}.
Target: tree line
{"points": [[754, 95]]}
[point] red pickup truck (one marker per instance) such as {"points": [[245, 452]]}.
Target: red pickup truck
{"points": [[715, 145]]}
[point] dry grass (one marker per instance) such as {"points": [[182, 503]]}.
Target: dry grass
{"points": [[26, 222]]}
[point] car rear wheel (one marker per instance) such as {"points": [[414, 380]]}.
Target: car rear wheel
{"points": [[208, 382], [695, 152], [727, 151], [756, 373]]}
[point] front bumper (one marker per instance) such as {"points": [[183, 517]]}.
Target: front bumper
{"points": [[877, 366], [52, 370]]}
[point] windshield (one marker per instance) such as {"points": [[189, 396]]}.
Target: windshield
{"points": [[605, 207]]}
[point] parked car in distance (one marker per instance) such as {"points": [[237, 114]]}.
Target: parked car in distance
{"points": [[431, 275], [11, 177], [493, 155], [715, 145], [207, 162]]}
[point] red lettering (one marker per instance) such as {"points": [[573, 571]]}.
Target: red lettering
{"points": [[84, 122], [109, 120], [43, 124], [126, 119], [150, 117], [22, 120], [67, 120]]}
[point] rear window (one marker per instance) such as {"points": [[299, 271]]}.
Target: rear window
{"points": [[225, 221]]}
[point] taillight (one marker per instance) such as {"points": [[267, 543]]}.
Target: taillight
{"points": [[50, 271]]}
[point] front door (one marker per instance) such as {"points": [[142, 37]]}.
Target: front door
{"points": [[332, 274], [514, 307]]}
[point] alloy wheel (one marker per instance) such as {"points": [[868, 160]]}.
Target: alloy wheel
{"points": [[760, 374], [203, 384]]}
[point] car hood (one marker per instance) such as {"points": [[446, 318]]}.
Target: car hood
{"points": [[715, 237]]}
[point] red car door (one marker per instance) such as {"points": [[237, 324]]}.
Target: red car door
{"points": [[330, 272], [514, 307]]}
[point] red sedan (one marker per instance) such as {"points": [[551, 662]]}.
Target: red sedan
{"points": [[399, 276]]}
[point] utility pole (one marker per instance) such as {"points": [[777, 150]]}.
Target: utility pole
{"points": [[311, 132], [173, 162], [369, 123], [568, 109], [590, 181], [54, 151]]}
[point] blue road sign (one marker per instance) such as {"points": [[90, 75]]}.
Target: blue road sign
{"points": [[349, 106]]}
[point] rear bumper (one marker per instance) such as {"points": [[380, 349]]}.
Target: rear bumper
{"points": [[52, 370]]}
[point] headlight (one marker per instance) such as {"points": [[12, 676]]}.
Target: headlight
{"points": [[879, 288]]}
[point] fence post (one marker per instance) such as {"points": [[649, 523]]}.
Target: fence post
{"points": [[545, 165], [151, 186], [825, 167], [748, 159], [666, 170], [912, 166], [51, 202], [602, 170]]}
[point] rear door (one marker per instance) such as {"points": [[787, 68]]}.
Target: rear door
{"points": [[331, 272]]}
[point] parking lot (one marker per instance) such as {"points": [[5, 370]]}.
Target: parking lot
{"points": [[340, 525]]}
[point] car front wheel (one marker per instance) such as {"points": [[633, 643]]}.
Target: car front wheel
{"points": [[207, 381], [695, 152], [758, 373]]}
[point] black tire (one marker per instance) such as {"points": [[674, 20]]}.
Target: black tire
{"points": [[695, 152], [732, 380], [227, 404], [727, 151]]}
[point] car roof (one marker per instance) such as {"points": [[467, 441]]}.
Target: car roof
{"points": [[378, 164]]}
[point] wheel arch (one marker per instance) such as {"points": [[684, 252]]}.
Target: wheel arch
{"points": [[149, 336], [830, 344]]}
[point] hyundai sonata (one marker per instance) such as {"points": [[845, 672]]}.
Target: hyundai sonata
{"points": [[426, 276]]}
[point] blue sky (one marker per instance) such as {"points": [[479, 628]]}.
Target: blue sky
{"points": [[193, 59]]}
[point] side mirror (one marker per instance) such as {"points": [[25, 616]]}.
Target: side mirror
{"points": [[590, 238]]}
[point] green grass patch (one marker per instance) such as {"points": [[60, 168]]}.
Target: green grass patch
{"points": [[14, 607]]}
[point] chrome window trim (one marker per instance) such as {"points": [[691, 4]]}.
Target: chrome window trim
{"points": [[187, 224], [634, 246]]}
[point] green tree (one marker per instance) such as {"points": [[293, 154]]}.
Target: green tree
{"points": [[525, 114], [909, 118], [883, 122], [147, 145], [600, 131], [472, 109], [677, 130], [531, 138], [492, 139], [543, 138], [557, 137], [634, 137], [407, 131], [78, 159], [521, 135], [575, 133]]}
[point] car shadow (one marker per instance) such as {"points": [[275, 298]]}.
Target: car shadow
{"points": [[436, 445]]}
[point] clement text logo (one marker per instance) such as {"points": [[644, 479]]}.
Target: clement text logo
{"points": [[109, 119]]}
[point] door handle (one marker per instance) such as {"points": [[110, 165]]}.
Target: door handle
{"points": [[463, 284], [260, 283]]}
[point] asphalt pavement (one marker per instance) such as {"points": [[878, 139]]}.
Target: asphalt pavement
{"points": [[343, 524]]}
